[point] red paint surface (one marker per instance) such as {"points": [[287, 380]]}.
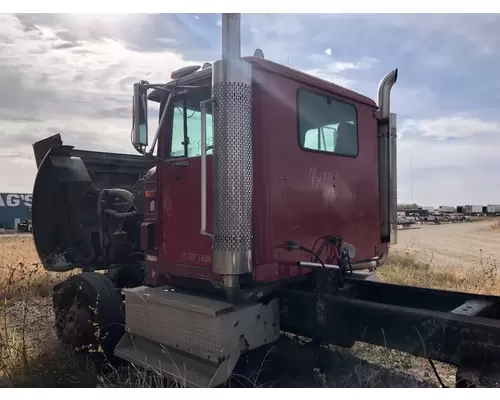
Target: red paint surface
{"points": [[298, 195]]}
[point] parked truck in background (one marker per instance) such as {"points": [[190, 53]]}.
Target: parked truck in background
{"points": [[447, 209], [24, 226], [493, 209], [473, 209]]}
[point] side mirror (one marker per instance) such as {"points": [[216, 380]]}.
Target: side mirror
{"points": [[140, 118]]}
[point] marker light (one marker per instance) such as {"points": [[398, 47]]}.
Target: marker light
{"points": [[258, 53], [179, 73]]}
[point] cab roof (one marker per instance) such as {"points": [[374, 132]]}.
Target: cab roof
{"points": [[278, 69]]}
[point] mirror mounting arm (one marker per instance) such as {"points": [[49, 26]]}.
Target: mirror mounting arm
{"points": [[139, 134], [160, 124]]}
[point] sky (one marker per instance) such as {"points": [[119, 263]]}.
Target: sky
{"points": [[73, 74]]}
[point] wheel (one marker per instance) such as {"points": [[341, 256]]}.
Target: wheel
{"points": [[126, 277], [89, 314]]}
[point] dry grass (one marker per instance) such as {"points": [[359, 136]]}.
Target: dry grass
{"points": [[26, 334], [495, 226], [403, 269], [21, 273], [30, 355]]}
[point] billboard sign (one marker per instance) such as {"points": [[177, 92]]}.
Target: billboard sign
{"points": [[13, 200]]}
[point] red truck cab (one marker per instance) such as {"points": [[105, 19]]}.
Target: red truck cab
{"points": [[314, 150]]}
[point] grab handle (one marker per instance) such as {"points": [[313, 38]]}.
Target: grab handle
{"points": [[203, 110]]}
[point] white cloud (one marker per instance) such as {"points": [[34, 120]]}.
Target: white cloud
{"points": [[327, 75], [16, 155], [77, 79], [81, 88], [451, 127], [474, 144], [278, 35], [363, 64], [481, 31], [338, 66], [336, 71], [454, 159]]}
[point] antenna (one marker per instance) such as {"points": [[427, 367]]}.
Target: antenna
{"points": [[289, 54], [411, 180]]}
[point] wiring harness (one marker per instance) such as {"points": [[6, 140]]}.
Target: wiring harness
{"points": [[341, 255]]}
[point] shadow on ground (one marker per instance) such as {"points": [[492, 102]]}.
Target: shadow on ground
{"points": [[288, 364], [292, 363]]}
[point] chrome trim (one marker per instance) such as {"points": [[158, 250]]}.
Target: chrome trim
{"points": [[356, 265], [203, 110]]}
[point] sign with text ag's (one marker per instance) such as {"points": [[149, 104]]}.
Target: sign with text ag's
{"points": [[15, 200]]}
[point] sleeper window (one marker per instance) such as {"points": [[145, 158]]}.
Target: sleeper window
{"points": [[327, 125]]}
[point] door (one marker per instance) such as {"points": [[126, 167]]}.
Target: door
{"points": [[184, 251]]}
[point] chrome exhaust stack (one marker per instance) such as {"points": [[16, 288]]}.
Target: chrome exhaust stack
{"points": [[387, 162], [232, 184], [393, 162]]}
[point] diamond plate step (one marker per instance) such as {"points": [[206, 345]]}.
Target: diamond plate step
{"points": [[206, 335], [168, 296], [186, 371]]}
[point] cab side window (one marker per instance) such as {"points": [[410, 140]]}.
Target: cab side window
{"points": [[327, 125]]}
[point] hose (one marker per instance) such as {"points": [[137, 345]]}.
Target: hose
{"points": [[120, 215], [117, 192]]}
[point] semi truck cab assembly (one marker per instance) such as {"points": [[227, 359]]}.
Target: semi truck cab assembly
{"points": [[264, 204]]}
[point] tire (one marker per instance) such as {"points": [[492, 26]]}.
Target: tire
{"points": [[89, 315], [126, 277]]}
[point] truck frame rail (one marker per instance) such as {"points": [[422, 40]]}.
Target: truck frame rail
{"points": [[452, 327]]}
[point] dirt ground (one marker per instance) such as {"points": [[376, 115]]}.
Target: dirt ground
{"points": [[471, 244]]}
